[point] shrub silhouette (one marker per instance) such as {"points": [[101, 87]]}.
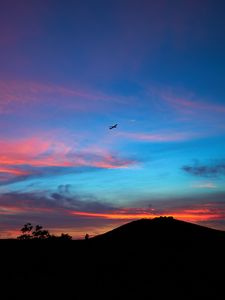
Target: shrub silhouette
{"points": [[39, 234], [26, 232], [65, 236]]}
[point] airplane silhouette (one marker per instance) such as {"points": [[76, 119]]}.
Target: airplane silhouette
{"points": [[114, 126]]}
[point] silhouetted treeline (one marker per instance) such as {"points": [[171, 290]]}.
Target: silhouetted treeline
{"points": [[29, 232]]}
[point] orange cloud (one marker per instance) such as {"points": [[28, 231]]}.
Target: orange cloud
{"points": [[113, 216], [13, 171], [190, 215], [96, 222], [23, 208]]}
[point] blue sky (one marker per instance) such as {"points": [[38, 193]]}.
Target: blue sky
{"points": [[71, 69]]}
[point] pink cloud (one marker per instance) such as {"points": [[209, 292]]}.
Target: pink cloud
{"points": [[195, 213], [43, 151], [22, 206], [187, 103], [30, 93], [190, 106], [157, 137]]}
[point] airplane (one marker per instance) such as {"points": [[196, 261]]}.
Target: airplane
{"points": [[114, 126]]}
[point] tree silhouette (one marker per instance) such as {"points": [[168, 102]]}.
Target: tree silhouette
{"points": [[86, 236], [39, 234], [26, 232], [27, 228], [65, 236]]}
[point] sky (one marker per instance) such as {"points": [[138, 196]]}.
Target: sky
{"points": [[68, 71]]}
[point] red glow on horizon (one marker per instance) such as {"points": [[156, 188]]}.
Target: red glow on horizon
{"points": [[190, 215], [117, 218]]}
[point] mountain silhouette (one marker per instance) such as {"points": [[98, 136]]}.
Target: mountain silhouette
{"points": [[157, 258], [165, 229]]}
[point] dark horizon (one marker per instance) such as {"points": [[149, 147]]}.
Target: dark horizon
{"points": [[162, 219], [146, 259]]}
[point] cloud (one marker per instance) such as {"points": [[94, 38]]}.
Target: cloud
{"points": [[160, 137], [204, 185], [118, 214], [39, 155], [187, 106], [53, 211], [53, 203], [198, 114], [214, 169], [64, 188], [198, 209], [78, 214], [187, 102], [23, 94]]}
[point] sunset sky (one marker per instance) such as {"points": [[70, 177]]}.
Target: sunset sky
{"points": [[69, 70]]}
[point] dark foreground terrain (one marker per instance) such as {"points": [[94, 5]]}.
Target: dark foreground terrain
{"points": [[161, 258]]}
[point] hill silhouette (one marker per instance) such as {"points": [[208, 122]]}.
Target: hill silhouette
{"points": [[144, 259], [165, 229]]}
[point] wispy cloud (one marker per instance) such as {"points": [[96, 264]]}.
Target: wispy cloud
{"points": [[186, 106], [37, 155], [212, 169], [77, 213], [18, 93], [161, 137], [204, 185], [187, 102], [53, 211], [196, 213], [118, 214], [199, 209]]}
